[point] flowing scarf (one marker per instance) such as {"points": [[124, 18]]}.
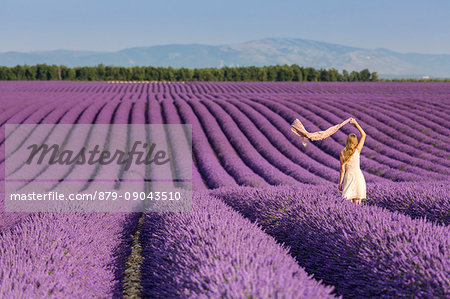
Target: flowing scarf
{"points": [[300, 130]]}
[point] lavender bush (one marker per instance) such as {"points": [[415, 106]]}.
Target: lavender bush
{"points": [[430, 199], [212, 252], [58, 255], [364, 251]]}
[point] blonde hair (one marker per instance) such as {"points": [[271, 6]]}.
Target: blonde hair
{"points": [[350, 147]]}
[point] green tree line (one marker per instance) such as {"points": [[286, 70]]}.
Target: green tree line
{"points": [[150, 73]]}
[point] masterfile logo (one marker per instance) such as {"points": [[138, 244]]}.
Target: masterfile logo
{"points": [[98, 167]]}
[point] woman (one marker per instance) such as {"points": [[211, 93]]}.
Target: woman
{"points": [[352, 184]]}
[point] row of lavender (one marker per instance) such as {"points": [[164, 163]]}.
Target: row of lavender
{"points": [[212, 252], [55, 255], [429, 200], [364, 251], [424, 90]]}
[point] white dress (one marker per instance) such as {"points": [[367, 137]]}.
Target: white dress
{"points": [[354, 184]]}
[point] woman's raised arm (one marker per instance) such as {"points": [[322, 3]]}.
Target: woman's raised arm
{"points": [[363, 135]]}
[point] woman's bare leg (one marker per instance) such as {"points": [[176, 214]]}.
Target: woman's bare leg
{"points": [[356, 200]]}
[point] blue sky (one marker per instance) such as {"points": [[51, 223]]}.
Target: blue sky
{"points": [[399, 25]]}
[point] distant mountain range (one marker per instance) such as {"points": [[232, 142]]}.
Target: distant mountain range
{"points": [[269, 51]]}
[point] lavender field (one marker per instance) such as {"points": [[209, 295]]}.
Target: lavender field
{"points": [[268, 220]]}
